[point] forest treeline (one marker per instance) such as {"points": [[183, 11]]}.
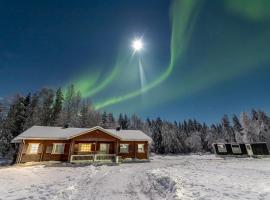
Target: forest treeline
{"points": [[48, 107]]}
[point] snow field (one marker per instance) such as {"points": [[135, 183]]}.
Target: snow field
{"points": [[165, 177]]}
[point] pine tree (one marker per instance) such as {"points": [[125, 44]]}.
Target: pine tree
{"points": [[126, 123], [12, 126], [136, 122], [123, 122], [57, 106], [46, 97], [111, 121], [156, 130], [236, 124], [227, 129], [72, 107], [84, 116], [1, 112], [32, 112], [104, 120]]}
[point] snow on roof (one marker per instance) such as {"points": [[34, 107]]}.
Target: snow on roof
{"points": [[60, 133], [134, 135]]}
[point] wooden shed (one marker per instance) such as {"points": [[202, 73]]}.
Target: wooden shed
{"points": [[241, 149]]}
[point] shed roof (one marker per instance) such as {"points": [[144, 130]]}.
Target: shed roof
{"points": [[60, 133]]}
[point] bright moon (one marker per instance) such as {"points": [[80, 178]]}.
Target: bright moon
{"points": [[137, 44]]}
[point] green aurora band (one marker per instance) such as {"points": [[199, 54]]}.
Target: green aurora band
{"points": [[237, 56], [89, 85], [183, 17]]}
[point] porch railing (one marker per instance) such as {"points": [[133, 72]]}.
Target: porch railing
{"points": [[93, 158]]}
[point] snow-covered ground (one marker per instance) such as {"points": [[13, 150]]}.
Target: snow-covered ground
{"points": [[165, 177], [4, 161]]}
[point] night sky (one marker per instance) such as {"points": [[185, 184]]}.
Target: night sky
{"points": [[200, 59]]}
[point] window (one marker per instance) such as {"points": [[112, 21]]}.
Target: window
{"points": [[124, 148], [236, 149], [222, 148], [33, 148], [104, 148], [58, 148], [141, 148], [84, 147]]}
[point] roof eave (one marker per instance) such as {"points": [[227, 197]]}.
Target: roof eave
{"points": [[137, 140], [36, 138], [93, 129]]}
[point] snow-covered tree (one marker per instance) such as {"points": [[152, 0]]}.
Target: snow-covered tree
{"points": [[156, 129], [227, 130], [247, 128], [46, 98], [111, 121], [123, 121], [57, 107], [194, 142]]}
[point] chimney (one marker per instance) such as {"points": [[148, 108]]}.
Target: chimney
{"points": [[118, 128]]}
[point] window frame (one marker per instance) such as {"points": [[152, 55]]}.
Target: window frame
{"points": [[29, 148], [127, 151], [143, 149], [79, 147], [236, 149], [54, 148], [222, 148]]}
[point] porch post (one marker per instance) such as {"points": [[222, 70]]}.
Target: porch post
{"points": [[71, 150], [95, 147], [116, 151], [116, 148], [134, 149], [19, 155], [44, 147], [148, 150]]}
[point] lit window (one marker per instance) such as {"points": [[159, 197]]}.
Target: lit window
{"points": [[58, 148], [84, 147], [141, 148], [124, 148], [33, 148]]}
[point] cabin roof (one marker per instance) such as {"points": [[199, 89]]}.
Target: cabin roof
{"points": [[60, 133]]}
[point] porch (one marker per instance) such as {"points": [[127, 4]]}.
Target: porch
{"points": [[93, 151], [94, 158]]}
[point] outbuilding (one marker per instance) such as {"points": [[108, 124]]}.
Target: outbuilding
{"points": [[241, 149]]}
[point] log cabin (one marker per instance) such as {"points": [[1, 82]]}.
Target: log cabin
{"points": [[77, 145]]}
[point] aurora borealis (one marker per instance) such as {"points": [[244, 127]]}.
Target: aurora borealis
{"points": [[201, 57]]}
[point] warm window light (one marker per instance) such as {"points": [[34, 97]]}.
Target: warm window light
{"points": [[33, 148], [84, 147]]}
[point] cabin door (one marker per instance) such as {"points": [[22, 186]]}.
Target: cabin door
{"points": [[249, 150], [104, 148]]}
